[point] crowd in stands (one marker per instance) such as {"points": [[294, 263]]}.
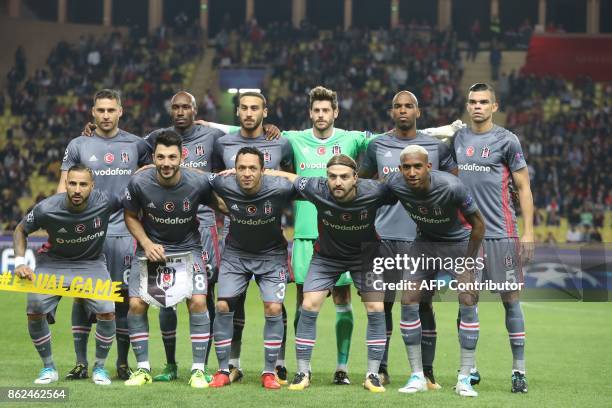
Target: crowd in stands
{"points": [[54, 103], [565, 129], [365, 67]]}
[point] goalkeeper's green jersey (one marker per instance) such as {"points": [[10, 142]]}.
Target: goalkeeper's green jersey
{"points": [[310, 155]]}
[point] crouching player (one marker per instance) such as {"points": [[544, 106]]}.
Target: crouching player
{"points": [[167, 197], [76, 222]]}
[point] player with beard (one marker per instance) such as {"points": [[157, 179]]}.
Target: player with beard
{"points": [[113, 155]]}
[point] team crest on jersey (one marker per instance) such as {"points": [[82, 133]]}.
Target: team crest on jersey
{"points": [[97, 222], [469, 151], [30, 217], [363, 215], [336, 150], [127, 260], [267, 156], [268, 208], [321, 150], [485, 152], [251, 209], [185, 152], [196, 268], [437, 210], [186, 204], [205, 256], [109, 158], [346, 216], [169, 206], [125, 157], [508, 261], [165, 277], [79, 228], [423, 210], [200, 150]]}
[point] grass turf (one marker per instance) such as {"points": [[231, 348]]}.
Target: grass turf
{"points": [[568, 353]]}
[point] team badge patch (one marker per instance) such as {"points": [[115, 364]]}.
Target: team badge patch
{"points": [[469, 151], [423, 210], [282, 274], [251, 209], [302, 183], [127, 260], [169, 206], [321, 150], [200, 150], [268, 208], [508, 261], [336, 150], [363, 215], [79, 228], [205, 256], [125, 157], [97, 222], [346, 216], [267, 156], [165, 277], [186, 204], [485, 152], [109, 158]]}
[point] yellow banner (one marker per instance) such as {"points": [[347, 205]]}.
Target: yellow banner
{"points": [[80, 287]]}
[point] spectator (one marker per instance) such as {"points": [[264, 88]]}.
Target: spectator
{"points": [[573, 235]]}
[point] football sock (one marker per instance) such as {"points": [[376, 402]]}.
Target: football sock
{"points": [[273, 337], [410, 327], [344, 333], [41, 337], [199, 329], [469, 328], [429, 334], [239, 320], [167, 326], [139, 337], [210, 305], [305, 338], [515, 324], [389, 328], [223, 329], [105, 334], [281, 351], [376, 338], [122, 331], [81, 326]]}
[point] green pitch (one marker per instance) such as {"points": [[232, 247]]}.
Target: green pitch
{"points": [[569, 360]]}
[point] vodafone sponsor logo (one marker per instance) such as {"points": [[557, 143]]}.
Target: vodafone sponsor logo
{"points": [[316, 166], [80, 240], [170, 221], [387, 170], [195, 165], [113, 172], [474, 167]]}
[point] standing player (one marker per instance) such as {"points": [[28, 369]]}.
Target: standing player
{"points": [[490, 158], [255, 203], [161, 206], [252, 109], [76, 222], [393, 225], [346, 211], [449, 226], [113, 155], [198, 147]]}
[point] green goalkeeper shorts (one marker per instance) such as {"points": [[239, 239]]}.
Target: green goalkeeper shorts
{"points": [[300, 261]]}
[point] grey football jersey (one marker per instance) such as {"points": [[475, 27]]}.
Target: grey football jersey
{"points": [[383, 157], [255, 220], [439, 214], [486, 163], [277, 153], [198, 145], [169, 214], [73, 236], [343, 227], [113, 161]]}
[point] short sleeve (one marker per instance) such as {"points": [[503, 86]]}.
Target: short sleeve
{"points": [[464, 199], [387, 196], [114, 201], [447, 162], [286, 154], [131, 201], [145, 152], [513, 154], [33, 220], [71, 155], [217, 156], [307, 186], [205, 188], [368, 163]]}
